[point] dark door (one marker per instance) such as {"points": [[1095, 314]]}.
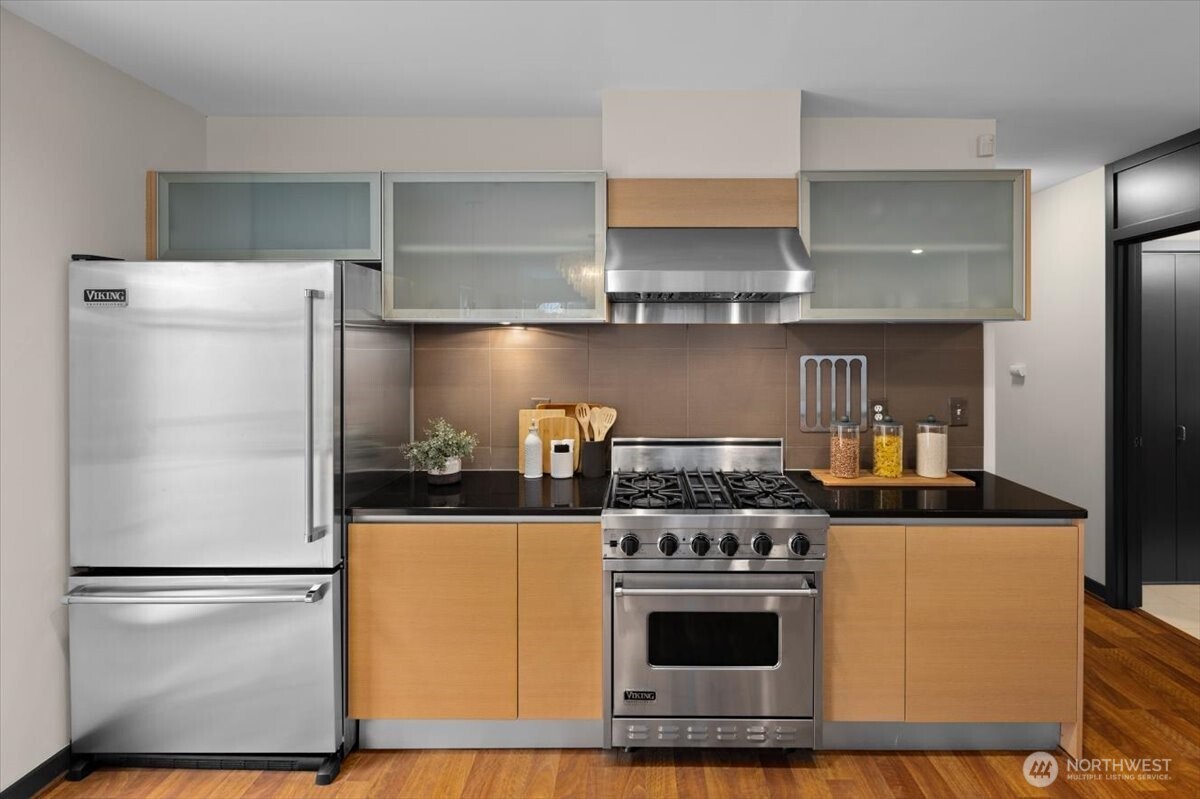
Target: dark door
{"points": [[1170, 394], [1187, 416]]}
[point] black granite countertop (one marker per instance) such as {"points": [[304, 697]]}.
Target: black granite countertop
{"points": [[484, 493], [992, 497], [507, 493]]}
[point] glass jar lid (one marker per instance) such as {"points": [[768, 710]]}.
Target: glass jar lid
{"points": [[930, 422], [843, 424], [888, 426]]}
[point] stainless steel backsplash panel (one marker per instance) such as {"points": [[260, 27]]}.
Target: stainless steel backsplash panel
{"points": [[832, 386]]}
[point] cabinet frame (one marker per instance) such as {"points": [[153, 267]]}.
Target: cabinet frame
{"points": [[1021, 272], [493, 315], [158, 224]]}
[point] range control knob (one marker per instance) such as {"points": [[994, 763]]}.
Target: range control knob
{"points": [[700, 544], [630, 544], [762, 544], [729, 544], [668, 544], [799, 544]]}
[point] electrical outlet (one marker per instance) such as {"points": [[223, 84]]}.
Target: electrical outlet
{"points": [[958, 412], [878, 409]]}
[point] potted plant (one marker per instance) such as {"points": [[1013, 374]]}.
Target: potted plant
{"points": [[442, 451]]}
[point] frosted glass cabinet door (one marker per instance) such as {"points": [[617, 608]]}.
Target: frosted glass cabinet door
{"points": [[915, 245], [268, 216], [496, 247]]}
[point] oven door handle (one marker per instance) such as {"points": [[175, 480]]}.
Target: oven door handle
{"points": [[702, 592]]}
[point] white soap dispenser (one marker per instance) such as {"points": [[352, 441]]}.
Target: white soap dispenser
{"points": [[533, 452]]}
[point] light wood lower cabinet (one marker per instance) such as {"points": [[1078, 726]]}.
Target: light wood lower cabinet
{"points": [[558, 627], [433, 637], [993, 621], [864, 624]]}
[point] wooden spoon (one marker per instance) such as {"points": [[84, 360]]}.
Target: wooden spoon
{"points": [[582, 415], [602, 421]]}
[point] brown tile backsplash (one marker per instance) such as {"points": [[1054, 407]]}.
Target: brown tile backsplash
{"points": [[735, 392], [701, 380]]}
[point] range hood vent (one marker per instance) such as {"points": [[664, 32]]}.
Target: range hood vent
{"points": [[706, 266]]}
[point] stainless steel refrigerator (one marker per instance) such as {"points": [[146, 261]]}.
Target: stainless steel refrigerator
{"points": [[222, 416]]}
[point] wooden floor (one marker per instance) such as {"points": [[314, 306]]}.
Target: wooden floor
{"points": [[1141, 700]]}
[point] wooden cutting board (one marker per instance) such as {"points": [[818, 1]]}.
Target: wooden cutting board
{"points": [[566, 407], [552, 427], [909, 479], [524, 417]]}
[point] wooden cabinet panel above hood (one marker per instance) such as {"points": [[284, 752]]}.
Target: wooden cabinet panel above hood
{"points": [[703, 202]]}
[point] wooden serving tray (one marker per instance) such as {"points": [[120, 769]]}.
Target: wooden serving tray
{"points": [[909, 479]]}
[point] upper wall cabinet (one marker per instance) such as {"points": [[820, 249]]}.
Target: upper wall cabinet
{"points": [[917, 245], [494, 247], [264, 216]]}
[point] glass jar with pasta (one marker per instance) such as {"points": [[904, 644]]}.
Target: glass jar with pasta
{"points": [[887, 448]]}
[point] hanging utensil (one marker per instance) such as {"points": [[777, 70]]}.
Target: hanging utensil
{"points": [[602, 420], [582, 415]]}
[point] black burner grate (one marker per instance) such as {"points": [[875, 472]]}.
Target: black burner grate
{"points": [[764, 490], [657, 490], [706, 490]]}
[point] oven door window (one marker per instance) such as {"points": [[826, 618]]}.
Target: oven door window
{"points": [[713, 640]]}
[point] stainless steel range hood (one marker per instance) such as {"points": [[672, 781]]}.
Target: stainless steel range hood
{"points": [[706, 275]]}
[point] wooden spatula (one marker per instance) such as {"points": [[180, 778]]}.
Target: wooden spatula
{"points": [[582, 414], [602, 420]]}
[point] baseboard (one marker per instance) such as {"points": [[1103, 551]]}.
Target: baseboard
{"points": [[1095, 587], [40, 777]]}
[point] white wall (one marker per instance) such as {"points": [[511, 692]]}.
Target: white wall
{"points": [[1049, 431], [76, 137], [402, 143], [886, 143], [700, 134]]}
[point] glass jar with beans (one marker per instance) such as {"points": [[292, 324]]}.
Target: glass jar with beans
{"points": [[843, 448]]}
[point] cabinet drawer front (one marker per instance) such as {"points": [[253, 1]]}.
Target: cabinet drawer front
{"points": [[992, 624], [559, 621], [433, 637]]}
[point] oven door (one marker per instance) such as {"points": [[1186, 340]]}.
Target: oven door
{"points": [[713, 645]]}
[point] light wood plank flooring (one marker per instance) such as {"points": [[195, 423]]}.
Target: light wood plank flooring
{"points": [[1141, 699]]}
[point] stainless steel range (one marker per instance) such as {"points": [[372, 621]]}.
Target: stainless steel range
{"points": [[712, 612]]}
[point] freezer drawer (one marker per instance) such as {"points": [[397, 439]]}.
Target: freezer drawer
{"points": [[166, 665]]}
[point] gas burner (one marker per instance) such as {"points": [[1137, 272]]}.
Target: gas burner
{"points": [[650, 490], [705, 488], [764, 490]]}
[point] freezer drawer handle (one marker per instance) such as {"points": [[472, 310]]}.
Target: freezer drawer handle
{"points": [[198, 596], [311, 531], [621, 591]]}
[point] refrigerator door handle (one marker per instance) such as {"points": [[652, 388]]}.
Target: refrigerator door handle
{"points": [[311, 531], [84, 595]]}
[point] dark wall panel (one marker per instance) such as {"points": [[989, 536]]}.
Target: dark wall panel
{"points": [[1159, 188]]}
